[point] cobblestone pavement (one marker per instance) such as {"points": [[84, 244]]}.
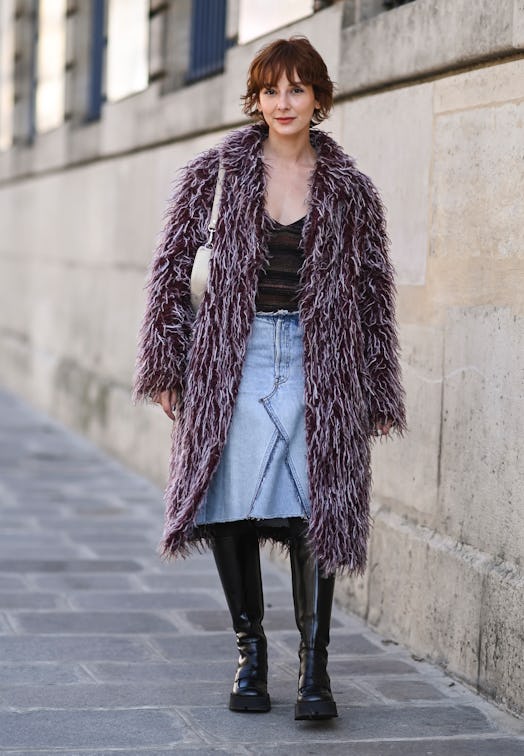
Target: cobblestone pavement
{"points": [[105, 649]]}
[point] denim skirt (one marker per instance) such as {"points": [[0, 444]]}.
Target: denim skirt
{"points": [[262, 473]]}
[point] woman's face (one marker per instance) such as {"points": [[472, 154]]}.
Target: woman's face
{"points": [[288, 108]]}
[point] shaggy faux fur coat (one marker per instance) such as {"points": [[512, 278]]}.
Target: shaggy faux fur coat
{"points": [[346, 306]]}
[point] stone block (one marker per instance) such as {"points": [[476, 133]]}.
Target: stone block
{"points": [[368, 665], [408, 690], [177, 673], [133, 600], [45, 551], [114, 696], [406, 470], [12, 583], [29, 600], [474, 171], [355, 724], [71, 648], [68, 565], [481, 478], [442, 579], [177, 580], [390, 135], [482, 87], [41, 673], [143, 552], [426, 37], [5, 627], [68, 583], [122, 623], [501, 637], [106, 729], [278, 598], [274, 619], [212, 646], [341, 644], [445, 746]]}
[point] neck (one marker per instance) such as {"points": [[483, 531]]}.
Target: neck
{"points": [[293, 149]]}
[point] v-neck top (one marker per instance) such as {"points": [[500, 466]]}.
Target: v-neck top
{"points": [[278, 280]]}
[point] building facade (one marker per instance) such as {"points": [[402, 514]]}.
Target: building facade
{"points": [[93, 126]]}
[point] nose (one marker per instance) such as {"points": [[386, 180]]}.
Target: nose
{"points": [[282, 102]]}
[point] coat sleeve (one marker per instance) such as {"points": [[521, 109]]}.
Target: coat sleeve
{"points": [[376, 301], [165, 333]]}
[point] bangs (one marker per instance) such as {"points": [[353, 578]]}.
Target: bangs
{"points": [[301, 64], [271, 70]]}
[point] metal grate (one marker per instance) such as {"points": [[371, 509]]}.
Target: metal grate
{"points": [[208, 38]]}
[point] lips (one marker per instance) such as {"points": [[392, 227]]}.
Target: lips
{"points": [[285, 120]]}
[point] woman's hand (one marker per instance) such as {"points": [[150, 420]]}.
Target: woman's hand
{"points": [[167, 400], [383, 428]]}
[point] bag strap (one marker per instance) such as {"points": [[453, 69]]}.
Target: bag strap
{"points": [[216, 203]]}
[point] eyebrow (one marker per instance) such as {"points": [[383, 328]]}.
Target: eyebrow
{"points": [[291, 84]]}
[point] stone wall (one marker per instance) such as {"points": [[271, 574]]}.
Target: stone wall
{"points": [[430, 102]]}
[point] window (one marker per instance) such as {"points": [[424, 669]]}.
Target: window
{"points": [[127, 48], [7, 51], [208, 38], [258, 17], [50, 85], [96, 61]]}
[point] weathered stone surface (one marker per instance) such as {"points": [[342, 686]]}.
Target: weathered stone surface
{"points": [[274, 619], [475, 172], [390, 135], [416, 490], [74, 678], [425, 37], [27, 600], [189, 669], [70, 729], [14, 648], [70, 565], [211, 646], [427, 747], [501, 638], [395, 722], [341, 644], [141, 600], [50, 623], [408, 690], [112, 695], [483, 87], [422, 566], [480, 459], [69, 583], [442, 137], [41, 673]]}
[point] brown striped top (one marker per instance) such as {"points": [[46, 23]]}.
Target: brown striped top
{"points": [[278, 280]]}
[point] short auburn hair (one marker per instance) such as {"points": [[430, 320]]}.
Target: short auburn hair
{"points": [[294, 57]]}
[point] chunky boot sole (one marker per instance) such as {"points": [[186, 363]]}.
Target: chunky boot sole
{"points": [[315, 710], [254, 704]]}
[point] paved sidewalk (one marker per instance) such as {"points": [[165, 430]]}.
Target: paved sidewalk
{"points": [[104, 649]]}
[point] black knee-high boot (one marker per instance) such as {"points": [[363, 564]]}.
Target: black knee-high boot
{"points": [[237, 557], [313, 599]]}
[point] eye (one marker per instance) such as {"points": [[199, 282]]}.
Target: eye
{"points": [[269, 91], [297, 90]]}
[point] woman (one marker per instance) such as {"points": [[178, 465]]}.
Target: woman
{"points": [[289, 368]]}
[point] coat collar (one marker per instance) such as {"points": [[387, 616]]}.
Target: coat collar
{"points": [[242, 150]]}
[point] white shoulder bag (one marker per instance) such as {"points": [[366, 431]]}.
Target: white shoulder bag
{"points": [[200, 270]]}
